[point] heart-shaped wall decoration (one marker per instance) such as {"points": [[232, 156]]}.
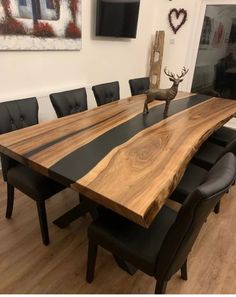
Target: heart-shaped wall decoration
{"points": [[177, 19]]}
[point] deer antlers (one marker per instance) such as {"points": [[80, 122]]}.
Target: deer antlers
{"points": [[170, 74], [183, 72]]}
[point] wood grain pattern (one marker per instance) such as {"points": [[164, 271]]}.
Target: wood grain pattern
{"points": [[137, 177], [28, 267], [156, 60], [86, 126], [118, 157]]}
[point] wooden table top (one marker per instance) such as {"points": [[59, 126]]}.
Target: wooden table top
{"points": [[118, 157]]}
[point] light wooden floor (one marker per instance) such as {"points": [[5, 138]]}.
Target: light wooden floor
{"points": [[26, 266]]}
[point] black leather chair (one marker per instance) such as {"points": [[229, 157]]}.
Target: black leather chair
{"points": [[16, 115], [161, 250], [223, 136], [106, 93], [139, 85], [69, 102], [206, 157], [193, 177], [209, 153], [222, 81]]}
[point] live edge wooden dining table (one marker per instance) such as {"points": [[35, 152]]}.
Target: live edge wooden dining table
{"points": [[118, 157]]}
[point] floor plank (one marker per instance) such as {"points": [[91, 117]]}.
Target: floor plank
{"points": [[26, 266]]}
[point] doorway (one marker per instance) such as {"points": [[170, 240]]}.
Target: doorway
{"points": [[215, 69]]}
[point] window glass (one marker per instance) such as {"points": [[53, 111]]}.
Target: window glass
{"points": [[215, 70], [50, 4], [23, 2]]}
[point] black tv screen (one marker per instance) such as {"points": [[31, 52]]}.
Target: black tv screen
{"points": [[117, 18]]}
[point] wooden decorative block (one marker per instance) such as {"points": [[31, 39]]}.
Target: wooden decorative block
{"points": [[156, 59]]}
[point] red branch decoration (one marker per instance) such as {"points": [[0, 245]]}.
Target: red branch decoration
{"points": [[9, 25], [74, 9], [72, 31], [12, 27], [43, 30], [177, 14]]}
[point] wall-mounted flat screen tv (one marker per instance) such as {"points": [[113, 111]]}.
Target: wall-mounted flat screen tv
{"points": [[117, 18]]}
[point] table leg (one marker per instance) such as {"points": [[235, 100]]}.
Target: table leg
{"points": [[85, 206], [72, 215]]}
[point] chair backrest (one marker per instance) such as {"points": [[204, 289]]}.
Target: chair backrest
{"points": [[106, 93], [139, 85], [14, 115], [192, 215], [18, 114], [69, 102], [230, 147]]}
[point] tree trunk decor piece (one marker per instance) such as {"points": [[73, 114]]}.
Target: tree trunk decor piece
{"points": [[165, 94], [156, 59], [178, 14]]}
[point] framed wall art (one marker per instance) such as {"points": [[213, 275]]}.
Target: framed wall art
{"points": [[207, 32], [40, 24]]}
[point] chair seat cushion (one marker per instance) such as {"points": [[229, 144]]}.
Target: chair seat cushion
{"points": [[208, 155], [193, 177], [223, 136], [33, 184], [133, 243]]}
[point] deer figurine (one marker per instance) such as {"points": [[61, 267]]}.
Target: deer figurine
{"points": [[165, 94]]}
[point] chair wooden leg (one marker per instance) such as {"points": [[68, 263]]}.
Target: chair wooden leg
{"points": [[160, 287], [184, 271], [217, 208], [43, 221], [126, 266], [91, 261], [10, 200]]}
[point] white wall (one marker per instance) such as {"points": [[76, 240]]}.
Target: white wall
{"points": [[101, 60], [176, 45], [25, 74], [181, 49], [184, 50]]}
